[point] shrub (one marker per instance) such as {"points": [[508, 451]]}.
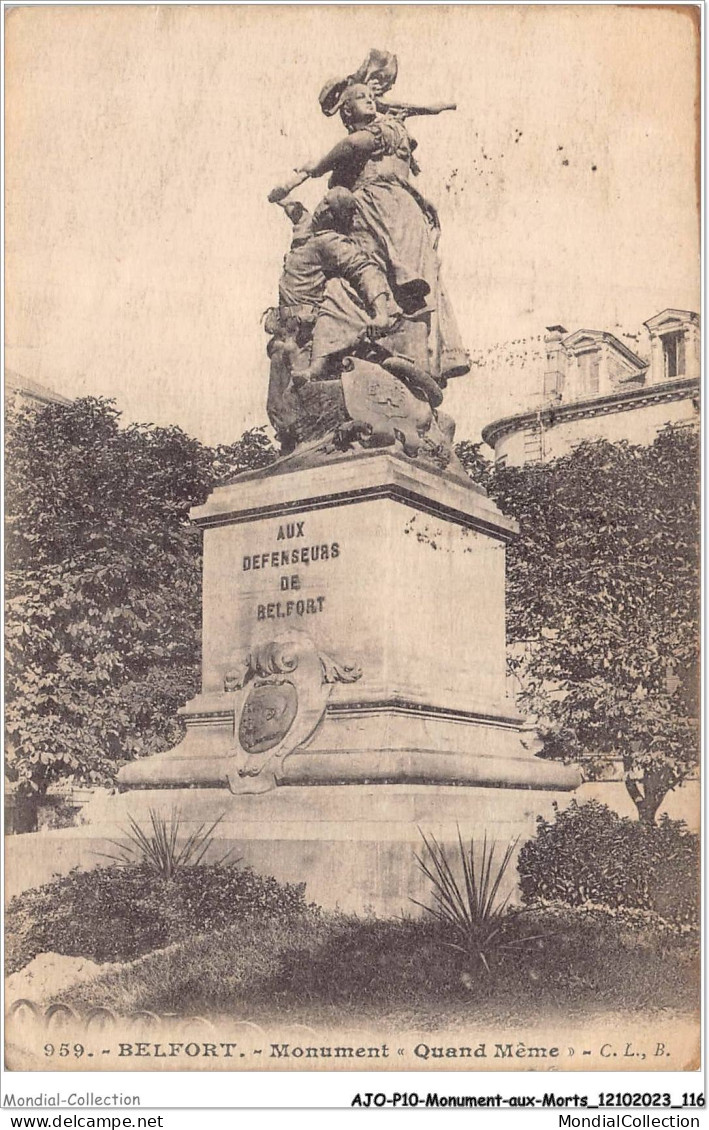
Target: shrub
{"points": [[589, 853], [465, 893], [160, 849], [121, 912], [60, 815]]}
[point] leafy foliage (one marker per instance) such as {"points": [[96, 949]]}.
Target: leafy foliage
{"points": [[103, 586], [603, 606], [118, 913], [466, 896], [590, 854], [252, 452], [474, 461]]}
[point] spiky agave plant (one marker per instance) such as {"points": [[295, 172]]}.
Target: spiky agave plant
{"points": [[466, 896], [159, 849]]}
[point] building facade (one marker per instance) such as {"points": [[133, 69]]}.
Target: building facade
{"points": [[24, 392], [590, 385]]}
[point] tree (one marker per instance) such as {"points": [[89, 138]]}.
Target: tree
{"points": [[603, 606], [252, 452], [474, 461], [103, 586]]}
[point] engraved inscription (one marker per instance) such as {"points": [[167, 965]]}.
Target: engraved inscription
{"points": [[279, 558]]}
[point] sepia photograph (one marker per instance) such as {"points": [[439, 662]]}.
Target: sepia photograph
{"points": [[352, 526]]}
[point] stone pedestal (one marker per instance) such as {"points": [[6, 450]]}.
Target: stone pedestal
{"points": [[354, 639], [395, 575], [355, 847]]}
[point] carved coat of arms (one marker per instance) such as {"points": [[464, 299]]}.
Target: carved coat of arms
{"points": [[280, 693]]}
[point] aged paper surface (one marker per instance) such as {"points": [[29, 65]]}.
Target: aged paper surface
{"points": [[141, 145]]}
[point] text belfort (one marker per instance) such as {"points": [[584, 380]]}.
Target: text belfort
{"points": [[282, 557]]}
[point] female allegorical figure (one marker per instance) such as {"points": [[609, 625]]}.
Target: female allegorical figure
{"points": [[395, 225]]}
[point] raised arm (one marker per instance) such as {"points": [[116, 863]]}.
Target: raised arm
{"points": [[362, 141], [408, 110]]}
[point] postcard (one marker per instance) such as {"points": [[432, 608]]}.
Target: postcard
{"points": [[352, 578]]}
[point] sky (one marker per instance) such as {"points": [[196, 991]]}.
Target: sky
{"points": [[142, 141]]}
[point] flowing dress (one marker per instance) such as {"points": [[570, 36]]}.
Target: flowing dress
{"points": [[399, 230]]}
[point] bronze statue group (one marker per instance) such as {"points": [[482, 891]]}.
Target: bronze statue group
{"points": [[362, 277]]}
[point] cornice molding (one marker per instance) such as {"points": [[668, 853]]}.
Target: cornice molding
{"points": [[553, 414]]}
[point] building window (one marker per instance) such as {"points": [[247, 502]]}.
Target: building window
{"points": [[673, 350], [589, 364]]}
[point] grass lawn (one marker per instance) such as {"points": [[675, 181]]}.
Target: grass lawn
{"points": [[222, 942], [334, 969]]}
